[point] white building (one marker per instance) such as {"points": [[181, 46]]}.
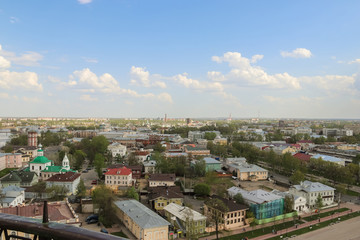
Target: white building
{"points": [[70, 180], [149, 166], [117, 149], [13, 195], [311, 190], [299, 201]]}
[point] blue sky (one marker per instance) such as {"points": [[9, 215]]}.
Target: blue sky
{"points": [[119, 58]]}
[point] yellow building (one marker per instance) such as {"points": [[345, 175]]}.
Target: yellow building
{"points": [[160, 197], [142, 222]]}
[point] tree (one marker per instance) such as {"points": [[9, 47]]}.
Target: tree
{"points": [[297, 177], [21, 140], [132, 160], [57, 192], [159, 148], [131, 193], [103, 198], [239, 199], [39, 188], [288, 203], [200, 168], [99, 163], [81, 190], [216, 212], [210, 135], [202, 189], [79, 159], [319, 202]]}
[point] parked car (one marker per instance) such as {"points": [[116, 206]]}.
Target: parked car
{"points": [[233, 177], [85, 171], [94, 182], [92, 219], [103, 230]]}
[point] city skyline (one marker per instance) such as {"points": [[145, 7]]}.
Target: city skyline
{"points": [[118, 59]]}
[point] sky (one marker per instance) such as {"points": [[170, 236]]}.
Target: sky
{"points": [[204, 58]]}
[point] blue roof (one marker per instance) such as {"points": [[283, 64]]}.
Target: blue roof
{"points": [[327, 158]]}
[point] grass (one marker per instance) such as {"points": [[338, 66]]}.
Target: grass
{"points": [[120, 234], [324, 214], [319, 225], [262, 231], [352, 193]]}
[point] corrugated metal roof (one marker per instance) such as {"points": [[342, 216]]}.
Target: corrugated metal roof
{"points": [[184, 213], [140, 214], [309, 186]]}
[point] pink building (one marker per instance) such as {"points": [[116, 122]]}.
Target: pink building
{"points": [[32, 138], [10, 160]]}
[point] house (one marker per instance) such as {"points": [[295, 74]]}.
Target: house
{"points": [[235, 217], [263, 204], [11, 179], [195, 135], [306, 144], [142, 222], [158, 179], [10, 160], [159, 197], [117, 149], [299, 201], [135, 169], [210, 164], [13, 195], [311, 190], [149, 166], [118, 177], [70, 180], [248, 172], [28, 150], [142, 155], [196, 150], [220, 141], [185, 220]]}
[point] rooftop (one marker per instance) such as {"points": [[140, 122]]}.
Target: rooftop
{"points": [[119, 171], [309, 186], [183, 213], [64, 177]]}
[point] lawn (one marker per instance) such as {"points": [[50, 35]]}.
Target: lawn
{"points": [[120, 234], [262, 231], [319, 225], [324, 214]]}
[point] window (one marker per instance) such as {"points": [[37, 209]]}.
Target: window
{"points": [[32, 167]]}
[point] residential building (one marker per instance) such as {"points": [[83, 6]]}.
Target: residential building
{"points": [[117, 149], [299, 201], [142, 222], [332, 159], [159, 197], [158, 179], [311, 190], [306, 144], [118, 177], [302, 157], [211, 164], [186, 221], [70, 180], [337, 132], [220, 141], [195, 135], [263, 204], [13, 196], [196, 151], [11, 179], [10, 160], [149, 166], [235, 217], [248, 172], [135, 169], [28, 150]]}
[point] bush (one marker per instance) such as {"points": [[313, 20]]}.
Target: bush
{"points": [[202, 189]]}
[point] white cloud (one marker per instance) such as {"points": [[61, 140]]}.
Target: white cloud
{"points": [[355, 61], [26, 59], [4, 63], [165, 97], [242, 69], [87, 97], [216, 76], [333, 83], [297, 53], [141, 77], [90, 60], [256, 58], [84, 1], [26, 80], [4, 95]]}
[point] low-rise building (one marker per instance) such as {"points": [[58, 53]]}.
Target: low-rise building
{"points": [[117, 149], [158, 179], [13, 195], [160, 197], [248, 172], [211, 164], [299, 201], [10, 160], [149, 166], [235, 217], [311, 190], [263, 204], [118, 177], [69, 180], [332, 159], [186, 221], [196, 151], [142, 222]]}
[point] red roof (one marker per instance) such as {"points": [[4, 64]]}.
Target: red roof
{"points": [[296, 145], [119, 171], [305, 141], [141, 153], [302, 156]]}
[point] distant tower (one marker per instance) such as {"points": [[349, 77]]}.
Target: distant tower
{"points": [[165, 119], [66, 163], [188, 120], [40, 152], [32, 138], [229, 119], [281, 123]]}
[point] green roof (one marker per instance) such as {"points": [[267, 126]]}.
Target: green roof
{"points": [[11, 177], [56, 169], [40, 159]]}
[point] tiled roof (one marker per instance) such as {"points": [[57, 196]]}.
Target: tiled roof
{"points": [[302, 156], [231, 205], [66, 177], [162, 177], [141, 215], [119, 171], [166, 192]]}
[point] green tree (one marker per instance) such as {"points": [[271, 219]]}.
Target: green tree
{"points": [[21, 140], [210, 136], [99, 164], [132, 160], [131, 193], [297, 177], [288, 203], [202, 189], [319, 203], [200, 168], [57, 192], [81, 190], [239, 199], [103, 198], [159, 148], [79, 156], [39, 188], [216, 212]]}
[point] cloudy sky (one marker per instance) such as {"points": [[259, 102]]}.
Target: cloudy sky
{"points": [[129, 58]]}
